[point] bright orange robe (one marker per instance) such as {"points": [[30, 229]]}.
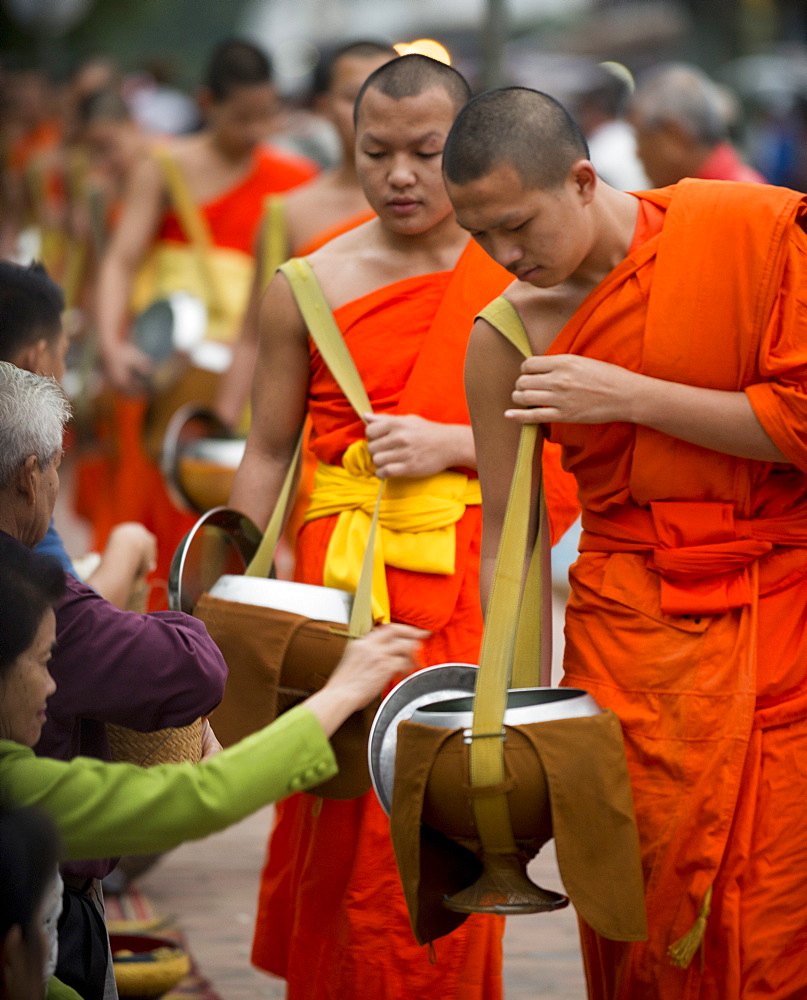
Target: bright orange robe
{"points": [[137, 489], [332, 919], [309, 459], [687, 609]]}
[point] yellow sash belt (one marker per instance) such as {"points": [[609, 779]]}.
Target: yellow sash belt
{"points": [[417, 521]]}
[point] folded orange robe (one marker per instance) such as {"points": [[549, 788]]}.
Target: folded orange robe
{"points": [[137, 488], [332, 919], [687, 609]]}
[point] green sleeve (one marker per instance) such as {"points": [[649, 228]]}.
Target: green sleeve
{"points": [[57, 990], [103, 809]]}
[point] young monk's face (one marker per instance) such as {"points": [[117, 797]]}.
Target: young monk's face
{"points": [[540, 236], [399, 155], [243, 119]]}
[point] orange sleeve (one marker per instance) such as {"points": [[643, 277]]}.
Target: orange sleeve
{"points": [[780, 402]]}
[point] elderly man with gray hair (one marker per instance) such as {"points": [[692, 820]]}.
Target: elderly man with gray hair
{"points": [[681, 118], [145, 672]]}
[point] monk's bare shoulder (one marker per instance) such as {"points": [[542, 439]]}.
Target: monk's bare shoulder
{"points": [[351, 265], [543, 311]]}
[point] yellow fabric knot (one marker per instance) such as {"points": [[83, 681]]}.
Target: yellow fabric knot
{"points": [[417, 521]]}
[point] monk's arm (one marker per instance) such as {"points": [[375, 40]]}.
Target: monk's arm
{"points": [[279, 400], [491, 365], [140, 217], [567, 388], [235, 383]]}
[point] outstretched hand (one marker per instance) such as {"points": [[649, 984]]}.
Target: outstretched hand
{"points": [[567, 388], [368, 666]]}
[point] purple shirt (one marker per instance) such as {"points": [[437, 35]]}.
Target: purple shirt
{"points": [[144, 672]]}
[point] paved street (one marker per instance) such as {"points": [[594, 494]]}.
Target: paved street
{"points": [[211, 888]]}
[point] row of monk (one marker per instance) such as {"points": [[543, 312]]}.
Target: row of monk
{"points": [[666, 369]]}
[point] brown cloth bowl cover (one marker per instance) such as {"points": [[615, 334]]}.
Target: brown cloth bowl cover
{"points": [[567, 778]]}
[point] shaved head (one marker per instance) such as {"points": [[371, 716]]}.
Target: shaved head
{"points": [[516, 125], [410, 76]]}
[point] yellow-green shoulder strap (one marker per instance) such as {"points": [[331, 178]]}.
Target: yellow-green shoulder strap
{"points": [[511, 646], [274, 237], [502, 316], [192, 221], [331, 345], [325, 333]]}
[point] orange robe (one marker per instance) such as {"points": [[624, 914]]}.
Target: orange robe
{"points": [[137, 490], [308, 464], [332, 919], [687, 608]]}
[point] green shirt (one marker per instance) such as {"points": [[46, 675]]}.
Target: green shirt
{"points": [[104, 809]]}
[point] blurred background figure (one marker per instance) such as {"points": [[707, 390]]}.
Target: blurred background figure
{"points": [[188, 223], [600, 112], [296, 224], [682, 120]]}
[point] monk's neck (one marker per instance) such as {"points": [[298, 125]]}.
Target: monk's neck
{"points": [[441, 245], [614, 226]]}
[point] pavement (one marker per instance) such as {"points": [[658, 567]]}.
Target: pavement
{"points": [[210, 887]]}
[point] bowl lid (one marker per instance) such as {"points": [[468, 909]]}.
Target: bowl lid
{"points": [[444, 681]]}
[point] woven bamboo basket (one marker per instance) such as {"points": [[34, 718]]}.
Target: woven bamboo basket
{"points": [[163, 746]]}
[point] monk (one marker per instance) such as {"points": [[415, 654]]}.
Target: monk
{"points": [[227, 171], [669, 362], [309, 216], [403, 289]]}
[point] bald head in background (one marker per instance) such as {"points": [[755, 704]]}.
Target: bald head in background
{"points": [[682, 120]]}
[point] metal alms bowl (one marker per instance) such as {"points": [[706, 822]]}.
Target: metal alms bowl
{"points": [[444, 681], [524, 705], [199, 458], [167, 332], [446, 805], [322, 603], [223, 541]]}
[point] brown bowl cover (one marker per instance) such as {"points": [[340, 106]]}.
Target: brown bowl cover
{"points": [[567, 778]]}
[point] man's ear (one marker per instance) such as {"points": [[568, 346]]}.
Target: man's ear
{"points": [[585, 179], [27, 479], [33, 357]]}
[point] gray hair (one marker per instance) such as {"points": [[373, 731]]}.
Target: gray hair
{"points": [[33, 414], [686, 96]]}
